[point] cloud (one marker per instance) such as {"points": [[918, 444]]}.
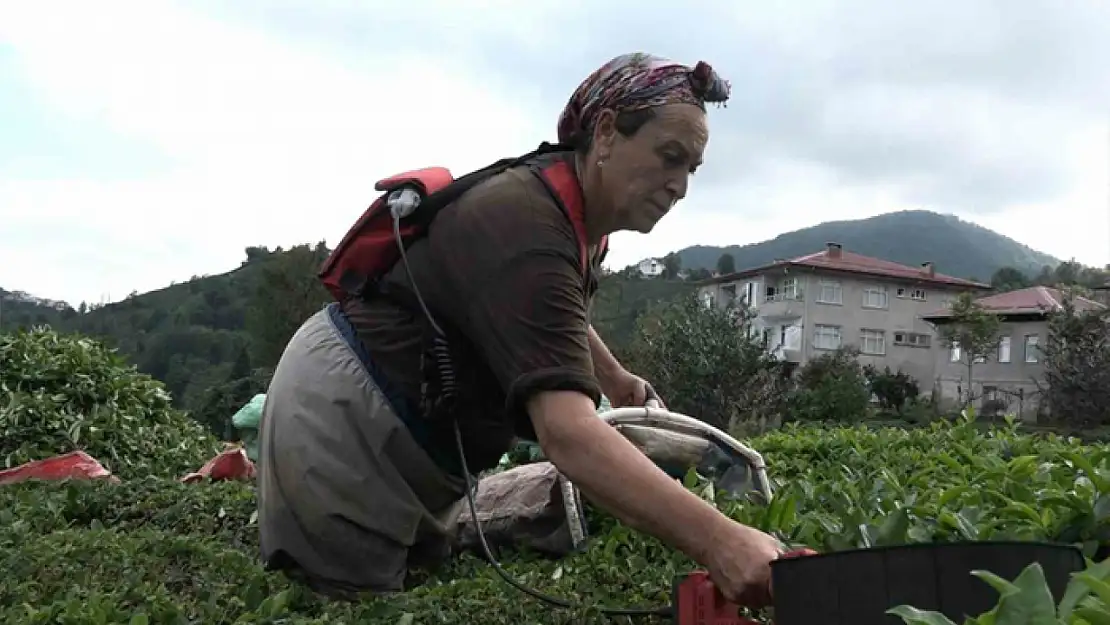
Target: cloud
{"points": [[157, 140]]}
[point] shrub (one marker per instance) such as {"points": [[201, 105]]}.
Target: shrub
{"points": [[1076, 359], [831, 387], [893, 390], [704, 363], [60, 393], [156, 551]]}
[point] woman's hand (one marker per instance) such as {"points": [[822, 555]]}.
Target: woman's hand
{"points": [[624, 388]]}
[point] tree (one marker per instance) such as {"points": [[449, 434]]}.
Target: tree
{"points": [[286, 293], [974, 331], [726, 264], [1009, 279], [893, 389], [699, 274], [1076, 358], [832, 387], [708, 364], [672, 264]]}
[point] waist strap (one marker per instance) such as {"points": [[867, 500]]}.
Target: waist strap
{"points": [[406, 411]]}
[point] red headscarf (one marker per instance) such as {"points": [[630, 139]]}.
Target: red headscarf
{"points": [[637, 81]]}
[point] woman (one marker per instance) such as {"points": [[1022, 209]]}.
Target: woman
{"points": [[356, 486]]}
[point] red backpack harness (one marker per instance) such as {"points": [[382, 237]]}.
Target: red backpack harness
{"points": [[401, 215], [370, 248]]}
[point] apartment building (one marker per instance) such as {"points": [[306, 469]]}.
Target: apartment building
{"points": [[1006, 381], [815, 303]]}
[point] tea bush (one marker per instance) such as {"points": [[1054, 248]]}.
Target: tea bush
{"points": [[153, 550], [158, 551], [60, 393]]}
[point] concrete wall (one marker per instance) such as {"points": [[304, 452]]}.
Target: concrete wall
{"points": [[838, 301], [1012, 385]]}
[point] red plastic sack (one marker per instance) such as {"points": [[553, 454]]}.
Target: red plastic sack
{"points": [[74, 465], [230, 464]]}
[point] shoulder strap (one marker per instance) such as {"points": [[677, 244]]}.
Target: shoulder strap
{"points": [[437, 201], [559, 178]]}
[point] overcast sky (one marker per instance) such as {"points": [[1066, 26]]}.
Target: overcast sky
{"points": [[146, 142]]}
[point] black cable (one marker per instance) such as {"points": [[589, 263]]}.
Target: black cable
{"points": [[447, 376]]}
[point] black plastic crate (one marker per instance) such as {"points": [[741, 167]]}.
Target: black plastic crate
{"points": [[858, 587]]}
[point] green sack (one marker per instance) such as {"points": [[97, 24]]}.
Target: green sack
{"points": [[246, 422]]}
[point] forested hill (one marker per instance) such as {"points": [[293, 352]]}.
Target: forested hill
{"points": [[957, 248], [212, 339]]}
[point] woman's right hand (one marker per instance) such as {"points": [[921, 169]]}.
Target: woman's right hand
{"points": [[740, 567]]}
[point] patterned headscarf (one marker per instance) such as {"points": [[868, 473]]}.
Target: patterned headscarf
{"points": [[637, 81]]}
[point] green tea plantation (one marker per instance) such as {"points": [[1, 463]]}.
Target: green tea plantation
{"points": [[153, 550]]}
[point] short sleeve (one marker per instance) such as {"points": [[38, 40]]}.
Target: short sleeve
{"points": [[530, 323]]}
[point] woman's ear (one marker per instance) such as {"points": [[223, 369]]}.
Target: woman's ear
{"points": [[605, 132]]}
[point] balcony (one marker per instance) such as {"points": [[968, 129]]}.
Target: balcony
{"points": [[782, 306], [787, 355]]}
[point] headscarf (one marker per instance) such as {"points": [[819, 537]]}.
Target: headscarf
{"points": [[637, 81]]}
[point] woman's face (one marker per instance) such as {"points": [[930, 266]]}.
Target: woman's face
{"points": [[645, 175]]}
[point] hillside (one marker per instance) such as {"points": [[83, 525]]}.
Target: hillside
{"points": [[958, 248], [212, 340]]}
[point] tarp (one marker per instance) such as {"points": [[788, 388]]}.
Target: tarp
{"points": [[246, 424], [76, 465], [230, 464]]}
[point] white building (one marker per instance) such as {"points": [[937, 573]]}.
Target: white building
{"points": [[650, 267]]}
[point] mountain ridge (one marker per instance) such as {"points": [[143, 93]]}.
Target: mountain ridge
{"points": [[911, 237]]}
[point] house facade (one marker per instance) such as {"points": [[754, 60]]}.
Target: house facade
{"points": [[812, 304], [1007, 381], [650, 267]]}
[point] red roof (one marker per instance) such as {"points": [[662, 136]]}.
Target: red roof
{"points": [[836, 259], [1033, 300]]}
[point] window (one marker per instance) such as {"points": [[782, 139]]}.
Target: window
{"points": [[1032, 351], [912, 339], [749, 293], [873, 342], [790, 288], [786, 290], [917, 294], [875, 297], [830, 292], [826, 337], [1004, 349], [707, 299], [954, 352]]}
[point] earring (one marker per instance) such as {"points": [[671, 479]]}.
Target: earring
{"points": [[601, 162]]}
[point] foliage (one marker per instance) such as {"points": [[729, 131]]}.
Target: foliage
{"points": [[831, 387], [672, 264], [622, 297], [726, 264], [1009, 279], [60, 393], [892, 389], [1027, 600], [1076, 357], [974, 330], [705, 363], [286, 292], [95, 552]]}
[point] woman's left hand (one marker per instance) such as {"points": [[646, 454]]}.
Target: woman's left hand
{"points": [[627, 389]]}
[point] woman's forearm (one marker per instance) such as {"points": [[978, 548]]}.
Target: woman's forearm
{"points": [[612, 473], [605, 363]]}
